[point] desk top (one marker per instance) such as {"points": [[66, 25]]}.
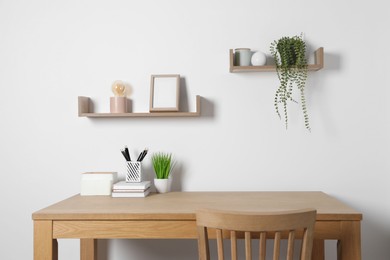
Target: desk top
{"points": [[182, 205]]}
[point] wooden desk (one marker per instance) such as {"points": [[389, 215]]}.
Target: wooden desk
{"points": [[171, 215]]}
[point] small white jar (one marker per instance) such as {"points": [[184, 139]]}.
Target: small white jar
{"points": [[242, 57]]}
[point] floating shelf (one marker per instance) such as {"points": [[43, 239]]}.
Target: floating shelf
{"points": [[85, 105], [318, 64]]}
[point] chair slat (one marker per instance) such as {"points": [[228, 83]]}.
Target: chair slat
{"points": [[248, 245], [220, 244], [262, 245], [307, 244], [290, 245], [233, 244], [203, 244], [277, 245]]}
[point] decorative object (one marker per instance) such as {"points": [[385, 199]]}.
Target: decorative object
{"points": [[134, 171], [258, 58], [242, 57], [118, 103], [289, 54], [134, 168], [163, 165], [163, 185], [164, 93], [97, 183]]}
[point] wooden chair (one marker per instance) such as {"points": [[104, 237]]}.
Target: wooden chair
{"points": [[250, 225]]}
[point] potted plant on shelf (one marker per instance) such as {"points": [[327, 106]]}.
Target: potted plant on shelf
{"points": [[289, 54], [163, 165]]}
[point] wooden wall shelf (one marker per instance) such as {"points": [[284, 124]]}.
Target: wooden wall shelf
{"points": [[85, 105], [318, 64]]}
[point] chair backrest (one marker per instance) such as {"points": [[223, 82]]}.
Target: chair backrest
{"points": [[254, 225]]}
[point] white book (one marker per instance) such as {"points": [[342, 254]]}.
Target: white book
{"points": [[130, 194], [123, 185], [129, 191]]}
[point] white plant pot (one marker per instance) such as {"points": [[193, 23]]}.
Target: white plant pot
{"points": [[163, 185]]}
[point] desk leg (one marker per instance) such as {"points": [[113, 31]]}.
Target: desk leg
{"points": [[349, 245], [88, 249], [45, 247], [318, 252]]}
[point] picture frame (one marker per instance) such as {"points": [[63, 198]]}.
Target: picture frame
{"points": [[164, 93]]}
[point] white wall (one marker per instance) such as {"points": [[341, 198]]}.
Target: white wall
{"points": [[53, 51]]}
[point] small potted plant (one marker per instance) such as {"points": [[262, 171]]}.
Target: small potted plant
{"points": [[163, 165], [289, 54]]}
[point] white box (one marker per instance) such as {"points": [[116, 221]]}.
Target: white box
{"points": [[97, 183]]}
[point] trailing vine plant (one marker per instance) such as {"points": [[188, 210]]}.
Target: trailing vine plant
{"points": [[289, 54]]}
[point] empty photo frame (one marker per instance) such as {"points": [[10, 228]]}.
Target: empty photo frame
{"points": [[164, 93]]}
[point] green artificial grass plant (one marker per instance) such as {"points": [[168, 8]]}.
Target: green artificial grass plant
{"points": [[163, 165]]}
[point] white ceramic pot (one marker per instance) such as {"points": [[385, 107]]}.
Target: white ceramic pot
{"points": [[163, 185], [258, 59]]}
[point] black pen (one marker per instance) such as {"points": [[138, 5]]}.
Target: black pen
{"points": [[142, 155], [124, 155], [127, 153], [145, 152]]}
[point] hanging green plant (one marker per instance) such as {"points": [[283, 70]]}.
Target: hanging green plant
{"points": [[289, 54]]}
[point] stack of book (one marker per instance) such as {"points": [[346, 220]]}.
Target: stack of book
{"points": [[125, 189]]}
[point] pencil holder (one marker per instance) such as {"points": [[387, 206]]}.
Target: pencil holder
{"points": [[134, 172]]}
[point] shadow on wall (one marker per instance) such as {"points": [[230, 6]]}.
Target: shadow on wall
{"points": [[177, 175], [317, 93], [206, 106], [332, 61]]}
